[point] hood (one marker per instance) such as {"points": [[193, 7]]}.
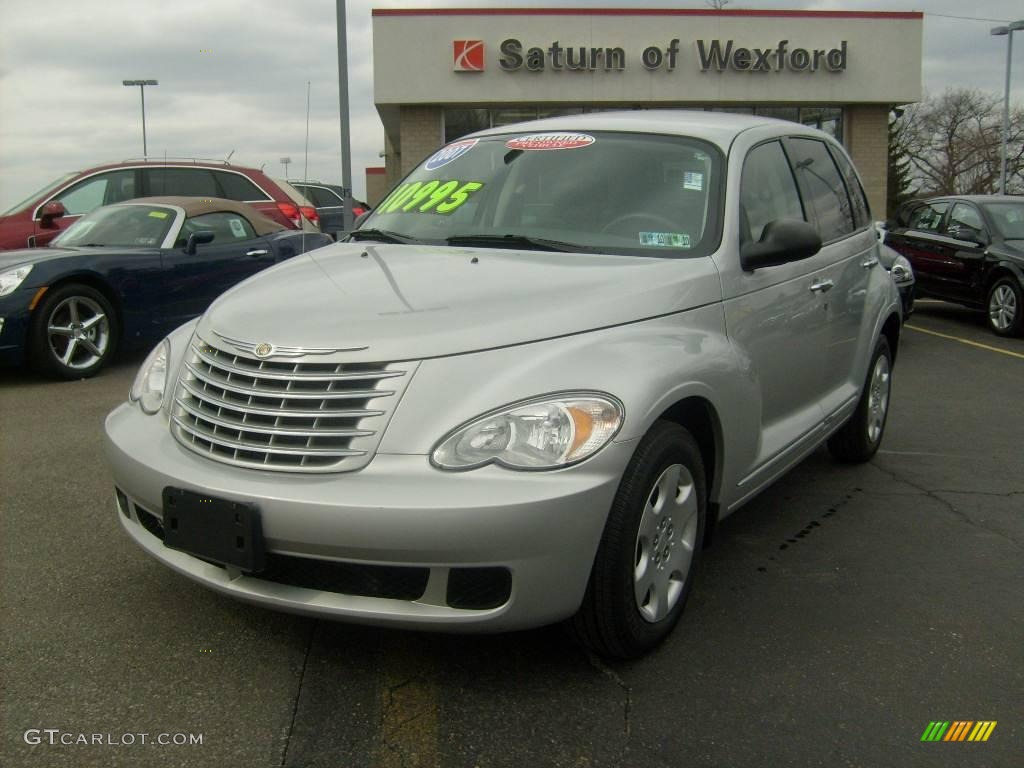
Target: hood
{"points": [[410, 302], [10, 259]]}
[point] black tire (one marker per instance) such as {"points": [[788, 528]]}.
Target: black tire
{"points": [[90, 332], [610, 622], [858, 439], [1005, 307]]}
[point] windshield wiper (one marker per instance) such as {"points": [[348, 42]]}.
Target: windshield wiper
{"points": [[382, 235], [518, 241]]}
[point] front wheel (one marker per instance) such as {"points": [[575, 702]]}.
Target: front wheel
{"points": [[74, 332], [644, 567], [1005, 313], [858, 439]]}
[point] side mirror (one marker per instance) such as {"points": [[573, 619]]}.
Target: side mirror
{"points": [[198, 238], [782, 241], [49, 212], [968, 235]]}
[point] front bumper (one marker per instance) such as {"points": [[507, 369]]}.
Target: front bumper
{"points": [[14, 322], [397, 514]]}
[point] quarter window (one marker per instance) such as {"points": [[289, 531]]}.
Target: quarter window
{"points": [[767, 191], [237, 187], [823, 188]]}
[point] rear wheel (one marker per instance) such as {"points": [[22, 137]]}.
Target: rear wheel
{"points": [[1005, 310], [859, 438], [644, 567], [74, 332]]}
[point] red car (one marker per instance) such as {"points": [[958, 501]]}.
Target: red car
{"points": [[41, 217]]}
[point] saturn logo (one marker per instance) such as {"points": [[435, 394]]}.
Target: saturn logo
{"points": [[468, 55], [263, 350]]}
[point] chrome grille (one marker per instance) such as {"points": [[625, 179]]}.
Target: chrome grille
{"points": [[296, 416]]}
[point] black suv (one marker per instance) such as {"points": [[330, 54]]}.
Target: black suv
{"points": [[329, 202], [967, 249]]}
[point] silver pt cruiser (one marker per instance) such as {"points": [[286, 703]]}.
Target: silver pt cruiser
{"points": [[529, 385]]}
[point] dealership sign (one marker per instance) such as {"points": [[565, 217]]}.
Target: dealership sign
{"points": [[708, 55]]}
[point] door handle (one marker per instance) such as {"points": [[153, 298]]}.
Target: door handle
{"points": [[822, 286], [257, 252], [869, 262]]}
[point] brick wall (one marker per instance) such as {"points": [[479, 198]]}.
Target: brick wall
{"points": [[867, 140], [420, 131]]}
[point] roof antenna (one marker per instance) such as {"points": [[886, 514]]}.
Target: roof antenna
{"points": [[227, 159]]}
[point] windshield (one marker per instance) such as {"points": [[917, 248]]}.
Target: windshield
{"points": [[622, 193], [1008, 219], [137, 226], [41, 193]]}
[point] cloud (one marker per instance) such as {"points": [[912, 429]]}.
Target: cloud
{"points": [[233, 76]]}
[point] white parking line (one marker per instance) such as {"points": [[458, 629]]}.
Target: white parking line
{"points": [[966, 341]]}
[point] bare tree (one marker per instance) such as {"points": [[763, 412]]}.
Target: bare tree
{"points": [[954, 143], [717, 4]]}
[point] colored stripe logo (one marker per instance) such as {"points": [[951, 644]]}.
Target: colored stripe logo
{"points": [[958, 730]]}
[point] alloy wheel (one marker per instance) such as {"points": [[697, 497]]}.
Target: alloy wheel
{"points": [[1002, 307], [78, 331], [878, 398]]}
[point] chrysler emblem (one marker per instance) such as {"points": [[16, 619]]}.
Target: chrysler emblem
{"points": [[263, 350]]}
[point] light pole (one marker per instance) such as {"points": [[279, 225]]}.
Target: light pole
{"points": [[1008, 30], [346, 146], [142, 90], [284, 162]]}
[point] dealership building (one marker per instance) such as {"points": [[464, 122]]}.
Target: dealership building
{"points": [[442, 73]]}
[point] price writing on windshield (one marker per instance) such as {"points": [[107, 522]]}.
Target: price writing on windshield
{"points": [[435, 196]]}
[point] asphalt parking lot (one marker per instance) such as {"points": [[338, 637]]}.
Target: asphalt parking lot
{"points": [[834, 618]]}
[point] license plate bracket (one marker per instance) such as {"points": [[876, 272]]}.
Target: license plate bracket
{"points": [[220, 530]]}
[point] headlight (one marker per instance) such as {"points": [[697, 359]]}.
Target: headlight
{"points": [[11, 279], [901, 271], [148, 387], [547, 433]]}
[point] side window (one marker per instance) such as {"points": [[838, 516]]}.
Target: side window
{"points": [[191, 182], [965, 223], [823, 188], [237, 187], [927, 217], [861, 210], [767, 191], [104, 189], [226, 227]]}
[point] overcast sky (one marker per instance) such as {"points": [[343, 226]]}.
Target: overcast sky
{"points": [[233, 76]]}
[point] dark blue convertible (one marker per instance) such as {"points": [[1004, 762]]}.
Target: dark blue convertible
{"points": [[126, 275]]}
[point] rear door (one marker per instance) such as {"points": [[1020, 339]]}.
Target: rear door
{"points": [[192, 281], [922, 242], [849, 251], [962, 272]]}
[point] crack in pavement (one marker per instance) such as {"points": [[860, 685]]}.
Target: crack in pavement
{"points": [[950, 506], [298, 694], [611, 674]]}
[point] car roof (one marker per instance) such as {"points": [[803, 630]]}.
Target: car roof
{"points": [[198, 206], [718, 128], [978, 198], [153, 162]]}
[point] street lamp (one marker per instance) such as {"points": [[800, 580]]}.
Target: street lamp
{"points": [[284, 162], [1008, 30], [142, 89]]}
